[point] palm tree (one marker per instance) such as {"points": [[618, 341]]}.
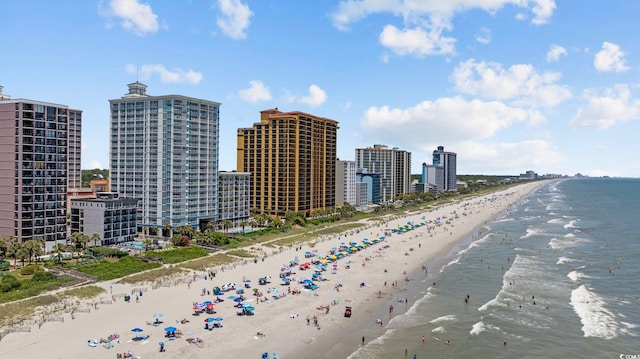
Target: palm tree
{"points": [[95, 238], [79, 240], [226, 224], [147, 244], [166, 229], [243, 224], [12, 251], [59, 249]]}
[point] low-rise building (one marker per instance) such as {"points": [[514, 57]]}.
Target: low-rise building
{"points": [[108, 215], [234, 197]]}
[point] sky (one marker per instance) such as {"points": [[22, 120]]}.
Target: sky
{"points": [[509, 85]]}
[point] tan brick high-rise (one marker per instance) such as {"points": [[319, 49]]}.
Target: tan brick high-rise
{"points": [[292, 160]]}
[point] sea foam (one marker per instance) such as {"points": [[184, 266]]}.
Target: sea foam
{"points": [[597, 321]]}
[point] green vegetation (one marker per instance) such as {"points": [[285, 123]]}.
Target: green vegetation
{"points": [[94, 174], [14, 287], [178, 254], [107, 270]]}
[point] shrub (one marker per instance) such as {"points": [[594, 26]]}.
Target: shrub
{"points": [[42, 275], [9, 282], [29, 269]]}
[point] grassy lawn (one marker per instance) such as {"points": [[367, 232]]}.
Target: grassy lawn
{"points": [[179, 254], [107, 270]]}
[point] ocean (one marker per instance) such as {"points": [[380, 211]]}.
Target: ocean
{"points": [[557, 276]]}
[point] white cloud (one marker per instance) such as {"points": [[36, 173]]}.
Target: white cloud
{"points": [[316, 97], [484, 36], [520, 83], [508, 157], [615, 106], [136, 17], [555, 51], [451, 119], [176, 76], [350, 11], [95, 164], [425, 21], [235, 18], [610, 58], [256, 92], [418, 41]]}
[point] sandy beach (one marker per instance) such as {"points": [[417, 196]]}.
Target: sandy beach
{"points": [[369, 281]]}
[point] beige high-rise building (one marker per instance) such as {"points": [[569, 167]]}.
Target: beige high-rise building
{"points": [[292, 160]]}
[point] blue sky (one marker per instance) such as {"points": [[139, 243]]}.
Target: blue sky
{"points": [[509, 85]]}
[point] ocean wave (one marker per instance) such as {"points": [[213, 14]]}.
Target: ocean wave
{"points": [[555, 221], [444, 318], [597, 321], [557, 243], [569, 235], [439, 329], [477, 328], [574, 275], [563, 260], [530, 232], [571, 224]]}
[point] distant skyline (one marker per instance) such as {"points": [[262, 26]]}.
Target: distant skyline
{"points": [[508, 85]]}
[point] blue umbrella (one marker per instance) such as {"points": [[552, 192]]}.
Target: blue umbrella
{"points": [[217, 319], [136, 330], [209, 320], [170, 329], [205, 303], [238, 300], [248, 281]]}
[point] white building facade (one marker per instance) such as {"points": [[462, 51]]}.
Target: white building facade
{"points": [[164, 151]]}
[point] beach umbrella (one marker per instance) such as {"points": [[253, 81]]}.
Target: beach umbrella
{"points": [[205, 303], [217, 319], [249, 308], [248, 281], [170, 329], [208, 320], [157, 315], [238, 300], [137, 330]]}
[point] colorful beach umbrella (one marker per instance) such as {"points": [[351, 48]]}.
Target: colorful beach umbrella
{"points": [[170, 329]]}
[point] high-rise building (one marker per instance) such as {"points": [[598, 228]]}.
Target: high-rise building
{"points": [[39, 160], [448, 161], [393, 165], [373, 183], [164, 152], [292, 160], [432, 177], [345, 182]]}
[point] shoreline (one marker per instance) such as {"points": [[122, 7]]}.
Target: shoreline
{"points": [[282, 320]]}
